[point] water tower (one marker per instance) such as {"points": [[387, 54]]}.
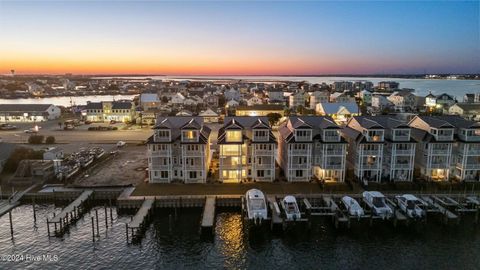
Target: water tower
{"points": [[12, 71]]}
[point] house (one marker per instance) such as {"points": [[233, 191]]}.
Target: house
{"points": [[28, 112], [366, 140], [403, 101], [297, 99], [254, 101], [399, 149], [232, 94], [318, 97], [380, 102], [179, 149], [435, 138], [149, 101], [247, 150], [388, 86], [311, 146], [209, 116], [445, 100], [365, 96], [471, 98], [120, 111], [260, 110], [430, 101], [340, 111], [177, 99], [53, 153], [341, 97], [467, 110], [275, 96], [211, 101], [232, 104]]}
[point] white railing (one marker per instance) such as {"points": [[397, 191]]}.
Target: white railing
{"points": [[264, 152], [300, 166], [439, 165], [444, 137], [190, 153], [371, 166], [331, 138], [401, 138], [160, 153], [372, 152], [333, 167], [404, 152], [401, 166], [300, 152], [440, 152], [334, 152]]}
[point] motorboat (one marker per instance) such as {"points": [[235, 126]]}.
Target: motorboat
{"points": [[352, 206], [411, 205], [376, 201], [290, 208], [256, 206]]}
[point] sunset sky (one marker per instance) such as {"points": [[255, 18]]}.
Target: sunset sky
{"points": [[239, 38]]}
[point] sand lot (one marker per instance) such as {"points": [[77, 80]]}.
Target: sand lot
{"points": [[126, 167]]}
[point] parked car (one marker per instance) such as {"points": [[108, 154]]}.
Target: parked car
{"points": [[376, 201], [411, 205], [31, 130], [121, 143], [7, 127]]}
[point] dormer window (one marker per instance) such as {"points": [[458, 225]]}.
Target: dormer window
{"points": [[190, 136], [401, 135], [260, 135], [375, 135], [331, 136], [162, 135], [234, 136], [303, 135]]}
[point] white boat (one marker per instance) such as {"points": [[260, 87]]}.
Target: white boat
{"points": [[353, 207], [256, 206], [376, 201], [411, 205], [290, 207]]}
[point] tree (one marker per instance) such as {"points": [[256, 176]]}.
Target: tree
{"points": [[164, 99], [19, 154], [50, 140], [273, 118], [221, 101]]}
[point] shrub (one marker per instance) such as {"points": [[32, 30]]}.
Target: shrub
{"points": [[50, 140], [114, 128], [18, 154], [35, 139]]}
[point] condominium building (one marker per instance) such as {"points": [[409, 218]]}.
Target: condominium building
{"points": [[399, 148], [311, 146], [435, 139], [366, 140], [247, 150], [120, 111], [179, 149]]}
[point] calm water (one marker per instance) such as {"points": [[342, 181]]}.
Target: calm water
{"points": [[181, 247], [65, 101]]}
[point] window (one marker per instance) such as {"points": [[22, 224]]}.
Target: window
{"points": [[193, 174], [164, 174], [190, 135], [234, 136], [260, 173], [299, 173]]}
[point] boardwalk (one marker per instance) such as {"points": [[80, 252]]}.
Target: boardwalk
{"points": [[208, 218], [77, 203], [142, 213]]}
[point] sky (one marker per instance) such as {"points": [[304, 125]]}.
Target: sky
{"points": [[239, 37]]}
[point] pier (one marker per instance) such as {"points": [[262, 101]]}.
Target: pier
{"points": [[69, 214], [208, 217], [139, 222]]}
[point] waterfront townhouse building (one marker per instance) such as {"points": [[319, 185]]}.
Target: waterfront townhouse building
{"points": [[466, 149], [247, 150], [399, 148], [295, 144], [318, 97], [179, 149], [296, 100], [329, 149], [366, 140], [435, 139]]}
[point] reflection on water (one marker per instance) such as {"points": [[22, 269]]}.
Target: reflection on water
{"points": [[178, 245]]}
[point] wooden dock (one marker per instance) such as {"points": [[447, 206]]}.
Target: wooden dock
{"points": [[208, 217], [138, 223], [69, 214], [276, 219]]}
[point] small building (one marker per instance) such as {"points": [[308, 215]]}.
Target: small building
{"points": [[28, 112], [260, 110], [467, 110], [275, 96], [209, 116], [149, 101], [340, 112], [120, 111], [32, 172]]}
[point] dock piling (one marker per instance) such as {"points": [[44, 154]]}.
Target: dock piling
{"points": [[11, 224], [93, 230], [96, 216], [106, 217], [34, 211]]}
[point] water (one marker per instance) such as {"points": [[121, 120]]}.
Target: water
{"points": [[181, 247], [65, 101]]}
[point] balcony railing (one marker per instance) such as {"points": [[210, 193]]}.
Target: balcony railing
{"points": [[473, 152], [300, 152], [469, 166], [439, 165], [300, 166], [401, 166], [401, 138], [440, 152], [159, 153], [331, 138], [263, 165], [444, 137], [404, 152], [371, 166], [372, 152], [264, 152], [334, 152], [190, 153], [157, 167], [333, 166]]}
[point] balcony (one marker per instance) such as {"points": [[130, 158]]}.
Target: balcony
{"points": [[334, 152], [404, 152], [444, 137], [441, 152], [332, 166], [335, 138], [263, 166], [300, 152], [473, 152], [264, 152], [401, 166], [439, 165], [470, 166], [372, 152], [158, 167], [401, 138], [300, 166], [371, 167], [159, 153], [190, 153]]}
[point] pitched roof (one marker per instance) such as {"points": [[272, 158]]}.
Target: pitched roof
{"points": [[333, 108], [149, 97], [119, 105], [24, 107]]}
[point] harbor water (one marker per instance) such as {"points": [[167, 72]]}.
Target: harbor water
{"points": [[178, 245]]}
